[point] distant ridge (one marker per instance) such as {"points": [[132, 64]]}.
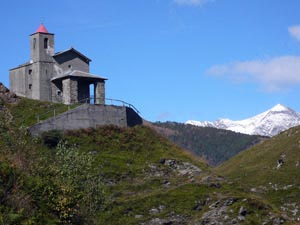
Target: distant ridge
{"points": [[215, 145], [269, 123]]}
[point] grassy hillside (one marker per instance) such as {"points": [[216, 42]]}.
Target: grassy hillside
{"points": [[215, 145], [271, 170], [28, 112], [111, 175]]}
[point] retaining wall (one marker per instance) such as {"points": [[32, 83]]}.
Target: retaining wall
{"points": [[86, 116]]}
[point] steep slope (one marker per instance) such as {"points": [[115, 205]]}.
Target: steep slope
{"points": [[215, 145], [268, 123], [271, 170], [110, 175]]}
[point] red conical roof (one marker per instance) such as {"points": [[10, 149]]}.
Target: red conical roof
{"points": [[42, 29]]}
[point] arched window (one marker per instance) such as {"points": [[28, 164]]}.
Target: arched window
{"points": [[46, 43]]}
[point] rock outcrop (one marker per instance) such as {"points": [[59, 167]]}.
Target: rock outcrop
{"points": [[7, 95]]}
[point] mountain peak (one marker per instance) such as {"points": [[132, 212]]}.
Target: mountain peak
{"points": [[268, 123], [279, 107]]}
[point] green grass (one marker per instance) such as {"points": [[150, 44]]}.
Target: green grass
{"points": [[257, 166], [256, 169], [176, 201], [108, 175], [28, 112]]}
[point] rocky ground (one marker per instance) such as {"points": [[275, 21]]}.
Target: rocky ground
{"points": [[6, 95]]}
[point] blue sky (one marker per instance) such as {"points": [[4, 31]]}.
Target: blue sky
{"points": [[172, 59]]}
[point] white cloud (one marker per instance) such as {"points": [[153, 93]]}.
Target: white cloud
{"points": [[274, 74], [192, 2], [295, 32]]}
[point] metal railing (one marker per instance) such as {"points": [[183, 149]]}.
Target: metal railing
{"points": [[54, 112], [123, 103], [91, 100]]}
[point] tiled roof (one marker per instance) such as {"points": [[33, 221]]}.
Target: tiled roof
{"points": [[42, 29]]}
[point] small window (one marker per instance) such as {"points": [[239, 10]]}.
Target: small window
{"points": [[34, 43], [46, 43], [30, 86], [58, 93], [29, 72], [70, 66]]}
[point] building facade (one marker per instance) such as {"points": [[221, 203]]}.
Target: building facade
{"points": [[57, 77]]}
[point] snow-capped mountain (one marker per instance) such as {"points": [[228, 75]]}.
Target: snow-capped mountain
{"points": [[268, 123]]}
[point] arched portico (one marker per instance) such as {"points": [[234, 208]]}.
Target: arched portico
{"points": [[74, 87]]}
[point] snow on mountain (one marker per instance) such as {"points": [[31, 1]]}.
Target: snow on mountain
{"points": [[268, 123]]}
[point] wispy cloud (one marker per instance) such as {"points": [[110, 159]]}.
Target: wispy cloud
{"points": [[192, 2], [274, 74], [294, 31]]}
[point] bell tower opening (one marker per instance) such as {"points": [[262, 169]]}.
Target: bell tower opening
{"points": [[46, 43]]}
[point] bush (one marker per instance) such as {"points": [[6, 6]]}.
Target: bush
{"points": [[51, 138]]}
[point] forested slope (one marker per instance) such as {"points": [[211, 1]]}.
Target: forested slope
{"points": [[215, 145]]}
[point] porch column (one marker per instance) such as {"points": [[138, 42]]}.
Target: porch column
{"points": [[70, 91], [99, 93]]}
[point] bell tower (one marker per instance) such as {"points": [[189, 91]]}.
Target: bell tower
{"points": [[41, 65], [41, 45]]}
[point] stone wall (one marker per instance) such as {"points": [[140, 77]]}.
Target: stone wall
{"points": [[17, 81], [44, 74], [57, 92], [86, 116], [32, 80], [70, 60]]}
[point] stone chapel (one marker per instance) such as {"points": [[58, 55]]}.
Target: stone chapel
{"points": [[57, 77]]}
